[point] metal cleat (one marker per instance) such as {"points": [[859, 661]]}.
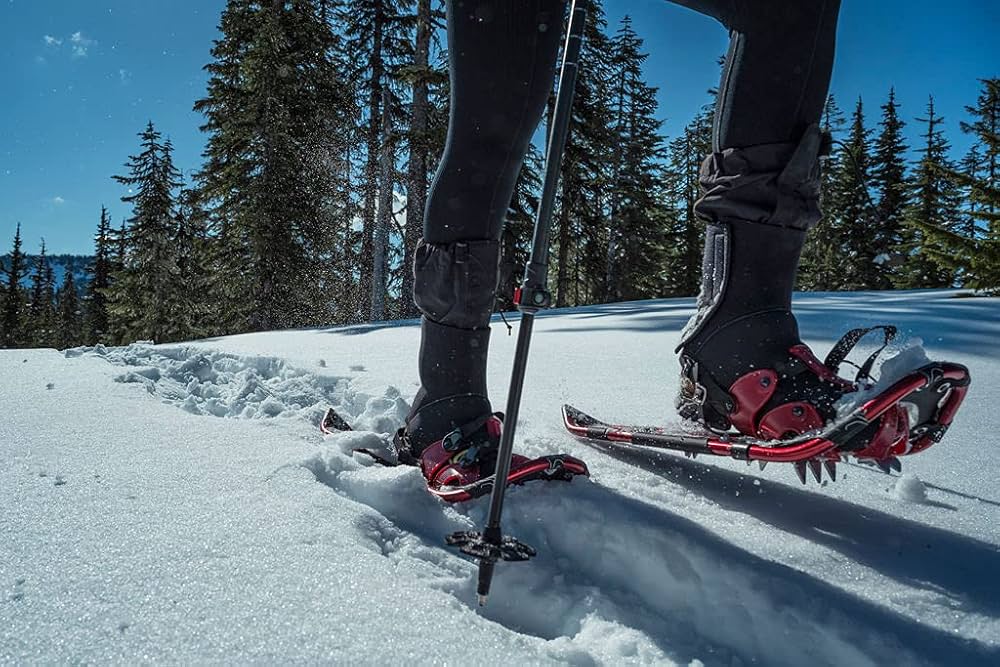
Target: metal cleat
{"points": [[817, 469], [761, 463], [884, 466], [896, 464], [800, 470], [831, 469]]}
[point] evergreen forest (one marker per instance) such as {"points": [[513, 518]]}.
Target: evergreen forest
{"points": [[323, 121]]}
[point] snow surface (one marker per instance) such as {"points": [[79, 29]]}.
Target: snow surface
{"points": [[177, 503]]}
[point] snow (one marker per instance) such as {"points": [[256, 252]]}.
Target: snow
{"points": [[177, 503], [897, 361], [910, 489]]}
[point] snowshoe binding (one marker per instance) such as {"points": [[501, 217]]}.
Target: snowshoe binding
{"points": [[460, 466]]}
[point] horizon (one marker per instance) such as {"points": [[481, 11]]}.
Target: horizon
{"points": [[88, 80]]}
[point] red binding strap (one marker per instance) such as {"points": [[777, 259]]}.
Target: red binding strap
{"points": [[751, 392]]}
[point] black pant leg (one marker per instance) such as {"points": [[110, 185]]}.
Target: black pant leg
{"points": [[777, 70], [502, 68]]}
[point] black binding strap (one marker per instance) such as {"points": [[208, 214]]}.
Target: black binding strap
{"points": [[839, 353], [454, 440]]}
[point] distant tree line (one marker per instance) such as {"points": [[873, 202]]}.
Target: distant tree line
{"points": [[893, 223], [324, 121]]}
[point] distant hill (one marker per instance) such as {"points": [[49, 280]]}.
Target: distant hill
{"points": [[60, 263]]}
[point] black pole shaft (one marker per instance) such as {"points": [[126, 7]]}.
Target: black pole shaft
{"points": [[536, 272], [535, 279]]}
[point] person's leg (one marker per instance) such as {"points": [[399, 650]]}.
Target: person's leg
{"points": [[502, 58], [760, 197], [777, 71]]}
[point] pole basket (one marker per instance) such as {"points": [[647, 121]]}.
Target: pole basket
{"points": [[475, 544]]}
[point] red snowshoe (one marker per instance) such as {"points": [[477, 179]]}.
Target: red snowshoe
{"points": [[460, 466], [903, 418]]}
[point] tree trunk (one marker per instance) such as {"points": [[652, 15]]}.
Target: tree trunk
{"points": [[384, 219], [416, 199], [562, 277], [611, 291], [371, 187]]}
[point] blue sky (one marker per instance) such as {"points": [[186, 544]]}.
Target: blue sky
{"points": [[80, 79]]}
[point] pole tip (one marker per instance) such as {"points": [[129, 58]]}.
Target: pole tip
{"points": [[482, 600]]}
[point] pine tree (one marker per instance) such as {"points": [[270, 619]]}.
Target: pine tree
{"points": [[41, 305], [974, 244], [275, 108], [852, 204], [687, 232], [70, 326], [422, 77], [193, 305], [585, 177], [984, 190], [888, 177], [96, 301], [637, 250], [384, 218], [986, 128], [378, 45], [971, 170], [52, 315], [933, 212], [820, 268], [12, 324], [119, 247], [118, 244], [144, 296]]}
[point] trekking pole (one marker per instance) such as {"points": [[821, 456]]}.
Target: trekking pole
{"points": [[492, 545]]}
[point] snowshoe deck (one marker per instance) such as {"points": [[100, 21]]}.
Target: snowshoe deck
{"points": [[932, 395], [553, 467]]}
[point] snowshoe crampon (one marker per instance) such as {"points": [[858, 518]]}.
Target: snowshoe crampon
{"points": [[906, 418]]}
